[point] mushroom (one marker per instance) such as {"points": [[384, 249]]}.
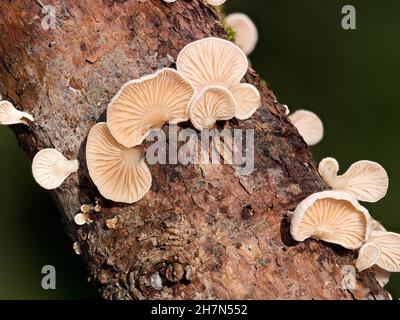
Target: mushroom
{"points": [[286, 108], [212, 104], [214, 61], [10, 115], [365, 180], [246, 34], [148, 103], [120, 173], [331, 216], [388, 244], [248, 100], [367, 256], [216, 2], [77, 248], [309, 126], [50, 168], [81, 219], [377, 226], [381, 275]]}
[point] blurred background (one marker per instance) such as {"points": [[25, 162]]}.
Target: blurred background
{"points": [[348, 77]]}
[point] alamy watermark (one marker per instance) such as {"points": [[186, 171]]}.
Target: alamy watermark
{"points": [[349, 20], [49, 278], [211, 146], [349, 277]]}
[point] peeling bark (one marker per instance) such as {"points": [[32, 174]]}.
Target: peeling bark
{"points": [[199, 233]]}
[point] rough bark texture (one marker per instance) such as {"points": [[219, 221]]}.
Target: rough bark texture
{"points": [[203, 232]]}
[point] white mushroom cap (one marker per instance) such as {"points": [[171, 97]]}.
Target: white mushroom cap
{"points": [[50, 168], [212, 104], [248, 100], [287, 110], [389, 244], [169, 1], [246, 34], [212, 61], [77, 248], [377, 226], [216, 2], [309, 126], [148, 103], [368, 256], [365, 180], [381, 275], [331, 216], [120, 173], [81, 219], [10, 115]]}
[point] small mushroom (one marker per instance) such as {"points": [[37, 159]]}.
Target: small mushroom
{"points": [[77, 248], [112, 223], [81, 219], [309, 126], [10, 115], [215, 61], [148, 103], [286, 108], [216, 2], [365, 180], [331, 216], [248, 100], [389, 245], [381, 275], [169, 1], [212, 104], [377, 226], [85, 208], [246, 34], [50, 168], [367, 256], [120, 173]]}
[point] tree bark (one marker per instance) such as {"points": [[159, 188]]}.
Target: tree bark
{"points": [[198, 233]]}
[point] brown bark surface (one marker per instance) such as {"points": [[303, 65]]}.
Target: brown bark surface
{"points": [[201, 232]]}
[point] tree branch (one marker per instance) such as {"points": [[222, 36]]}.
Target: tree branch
{"points": [[198, 233]]}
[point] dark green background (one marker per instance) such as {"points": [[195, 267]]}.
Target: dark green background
{"points": [[349, 78]]}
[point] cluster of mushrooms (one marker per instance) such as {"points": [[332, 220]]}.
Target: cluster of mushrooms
{"points": [[336, 216], [205, 88]]}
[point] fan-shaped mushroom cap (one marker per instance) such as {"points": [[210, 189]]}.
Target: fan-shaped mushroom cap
{"points": [[377, 226], [212, 104], [248, 100], [365, 180], [331, 216], [309, 126], [389, 245], [246, 34], [368, 255], [120, 173], [148, 103], [10, 115], [381, 275], [212, 61], [50, 168], [216, 2]]}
